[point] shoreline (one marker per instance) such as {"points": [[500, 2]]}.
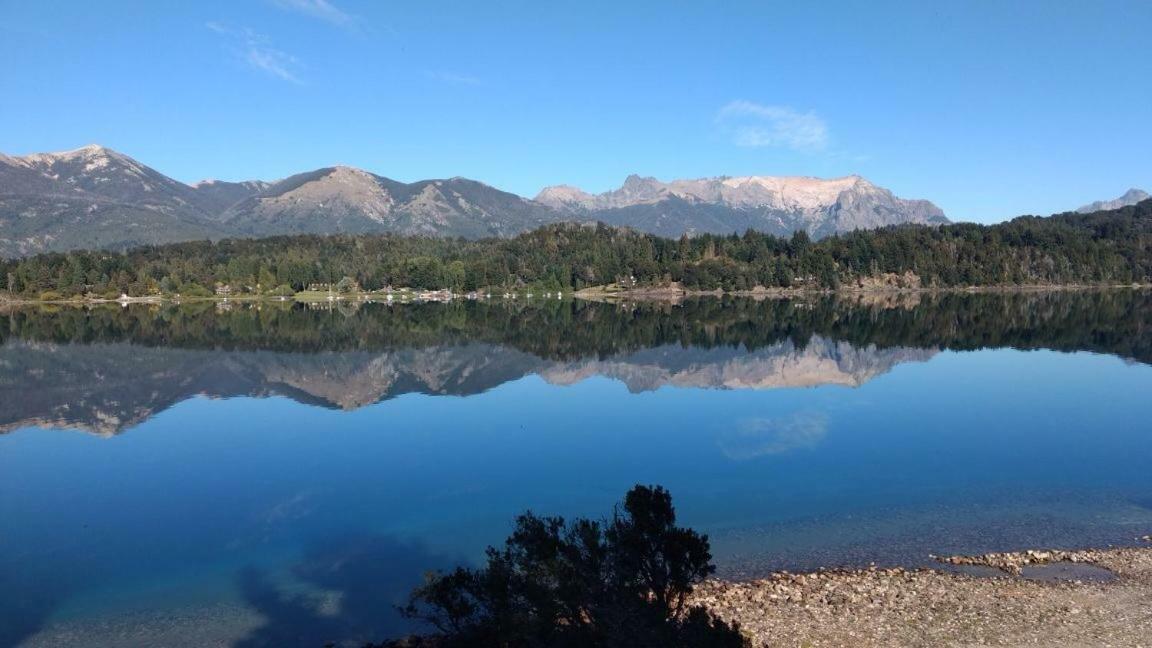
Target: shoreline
{"points": [[674, 294], [595, 294], [1101, 600]]}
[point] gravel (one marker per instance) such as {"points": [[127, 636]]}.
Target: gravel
{"points": [[929, 607]]}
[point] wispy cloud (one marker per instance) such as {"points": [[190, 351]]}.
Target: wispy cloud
{"points": [[257, 52], [756, 125], [318, 9]]}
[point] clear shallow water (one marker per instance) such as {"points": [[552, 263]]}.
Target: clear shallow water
{"points": [[254, 457]]}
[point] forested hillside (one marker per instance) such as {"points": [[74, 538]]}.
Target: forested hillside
{"points": [[1108, 247]]}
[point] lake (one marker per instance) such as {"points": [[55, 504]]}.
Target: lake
{"points": [[283, 473]]}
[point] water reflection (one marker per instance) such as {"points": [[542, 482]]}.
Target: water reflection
{"points": [[756, 437], [354, 588], [31, 600], [798, 434], [105, 370]]}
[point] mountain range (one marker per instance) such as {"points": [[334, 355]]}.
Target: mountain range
{"points": [[777, 205], [94, 197]]}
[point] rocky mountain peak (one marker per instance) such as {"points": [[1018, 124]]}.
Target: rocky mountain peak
{"points": [[565, 197], [93, 150], [1130, 197], [352, 176], [102, 173], [724, 204], [95, 155], [640, 189], [635, 181]]}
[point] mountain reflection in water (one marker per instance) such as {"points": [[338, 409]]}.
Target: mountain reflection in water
{"points": [[107, 369]]}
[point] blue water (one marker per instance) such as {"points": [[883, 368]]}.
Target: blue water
{"points": [[243, 499]]}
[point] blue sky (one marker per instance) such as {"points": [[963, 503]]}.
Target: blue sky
{"points": [[990, 109]]}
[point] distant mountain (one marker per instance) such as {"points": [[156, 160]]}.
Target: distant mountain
{"points": [[94, 197], [343, 199], [777, 205], [100, 172], [1130, 197]]}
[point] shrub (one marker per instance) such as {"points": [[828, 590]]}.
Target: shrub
{"points": [[346, 285], [283, 290], [195, 290], [618, 582]]}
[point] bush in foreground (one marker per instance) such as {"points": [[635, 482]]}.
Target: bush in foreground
{"points": [[587, 583]]}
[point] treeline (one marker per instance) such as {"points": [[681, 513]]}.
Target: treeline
{"points": [[1116, 322], [1111, 247]]}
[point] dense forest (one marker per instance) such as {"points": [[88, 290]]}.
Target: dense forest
{"points": [[1108, 247]]}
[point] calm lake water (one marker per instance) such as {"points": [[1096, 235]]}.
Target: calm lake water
{"points": [[300, 468]]}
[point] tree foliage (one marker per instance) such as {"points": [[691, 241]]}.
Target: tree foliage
{"points": [[586, 583], [1111, 247]]}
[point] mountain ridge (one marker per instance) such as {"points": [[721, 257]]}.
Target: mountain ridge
{"points": [[96, 197], [773, 204]]}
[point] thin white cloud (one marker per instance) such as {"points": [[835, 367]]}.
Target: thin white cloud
{"points": [[318, 9], [272, 61], [756, 125], [256, 51]]}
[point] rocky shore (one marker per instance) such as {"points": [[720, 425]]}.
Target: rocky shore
{"points": [[1033, 598]]}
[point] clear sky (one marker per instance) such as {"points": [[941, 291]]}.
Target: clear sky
{"points": [[990, 109]]}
